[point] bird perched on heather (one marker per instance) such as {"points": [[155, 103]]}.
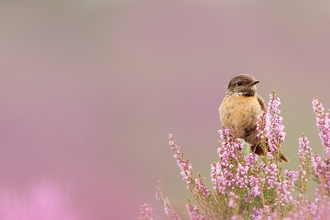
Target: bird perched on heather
{"points": [[240, 109]]}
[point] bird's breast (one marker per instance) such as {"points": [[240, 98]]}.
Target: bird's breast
{"points": [[239, 114]]}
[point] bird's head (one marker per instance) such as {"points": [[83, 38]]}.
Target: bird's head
{"points": [[243, 84]]}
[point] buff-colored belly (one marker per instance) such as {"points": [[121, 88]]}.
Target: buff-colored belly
{"points": [[239, 114]]}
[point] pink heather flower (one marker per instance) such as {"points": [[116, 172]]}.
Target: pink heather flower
{"points": [[201, 186], [266, 209], [184, 165], [321, 168], [214, 174], [171, 213], [270, 178], [320, 208], [185, 168], [323, 124], [221, 178], [317, 166], [250, 159], [263, 125], [237, 178], [257, 213], [241, 178], [255, 191], [166, 203], [159, 196], [222, 175], [298, 211], [304, 150], [228, 147], [146, 212], [285, 187], [232, 203], [305, 159], [253, 181], [275, 131], [193, 212], [312, 208], [290, 176]]}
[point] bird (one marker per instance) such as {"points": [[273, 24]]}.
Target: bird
{"points": [[240, 109]]}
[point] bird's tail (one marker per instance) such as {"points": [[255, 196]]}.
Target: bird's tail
{"points": [[260, 152]]}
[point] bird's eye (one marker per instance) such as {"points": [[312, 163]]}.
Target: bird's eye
{"points": [[239, 83]]}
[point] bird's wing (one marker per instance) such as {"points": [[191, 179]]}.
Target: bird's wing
{"points": [[261, 102]]}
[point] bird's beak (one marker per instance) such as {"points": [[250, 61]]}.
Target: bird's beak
{"points": [[254, 82]]}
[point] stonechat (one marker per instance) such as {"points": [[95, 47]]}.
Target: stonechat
{"points": [[240, 109]]}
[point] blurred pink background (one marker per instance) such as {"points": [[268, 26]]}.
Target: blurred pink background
{"points": [[91, 89]]}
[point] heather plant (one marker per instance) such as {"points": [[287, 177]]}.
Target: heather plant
{"points": [[247, 188]]}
